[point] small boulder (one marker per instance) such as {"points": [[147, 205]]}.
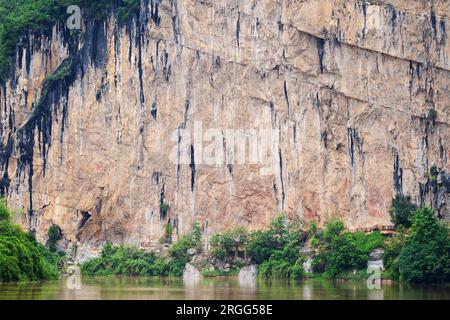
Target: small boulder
{"points": [[191, 273], [248, 272], [306, 251], [307, 265], [375, 260], [376, 254], [191, 251]]}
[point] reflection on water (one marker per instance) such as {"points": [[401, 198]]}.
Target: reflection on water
{"points": [[225, 288]]}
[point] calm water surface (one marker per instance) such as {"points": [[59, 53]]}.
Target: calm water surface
{"points": [[215, 288]]}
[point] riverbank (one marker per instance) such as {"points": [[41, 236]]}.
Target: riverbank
{"points": [[291, 251], [418, 252]]}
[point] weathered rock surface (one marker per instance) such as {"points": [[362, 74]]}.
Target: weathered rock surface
{"points": [[376, 254], [376, 259], [344, 88], [307, 265], [191, 273], [248, 273]]}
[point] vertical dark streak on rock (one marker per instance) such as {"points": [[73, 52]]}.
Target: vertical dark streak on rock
{"points": [[178, 156], [162, 198], [275, 192], [393, 23], [434, 24], [397, 173], [130, 48], [154, 110], [294, 132], [154, 14], [321, 53], [283, 195], [364, 9], [141, 85], [238, 28], [441, 149], [286, 97], [411, 78], [5, 154], [192, 166], [351, 150], [175, 22], [443, 33]]}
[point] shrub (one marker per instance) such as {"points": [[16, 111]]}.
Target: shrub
{"points": [[277, 249], [128, 9], [168, 233], [128, 260], [21, 17], [401, 211], [425, 256], [163, 209], [341, 251], [432, 115], [121, 260], [179, 250], [21, 256], [228, 243], [393, 247], [4, 212], [54, 234]]}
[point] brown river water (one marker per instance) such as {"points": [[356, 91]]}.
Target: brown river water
{"points": [[226, 288]]}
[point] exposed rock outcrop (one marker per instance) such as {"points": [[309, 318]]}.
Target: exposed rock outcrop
{"points": [[342, 104], [191, 274], [376, 259], [248, 273]]}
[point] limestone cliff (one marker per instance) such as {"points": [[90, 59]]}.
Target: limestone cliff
{"points": [[347, 100]]}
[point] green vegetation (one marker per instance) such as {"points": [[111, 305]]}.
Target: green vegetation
{"points": [[127, 260], [4, 212], [340, 251], [168, 233], [164, 209], [63, 71], [128, 9], [21, 256], [227, 244], [420, 253], [54, 234], [23, 17], [425, 257], [432, 115], [122, 260], [277, 249], [179, 250], [402, 210], [434, 172], [393, 247]]}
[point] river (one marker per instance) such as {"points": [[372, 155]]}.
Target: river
{"points": [[101, 288]]}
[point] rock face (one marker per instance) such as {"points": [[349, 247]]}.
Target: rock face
{"points": [[376, 259], [191, 273], [229, 113], [248, 273]]}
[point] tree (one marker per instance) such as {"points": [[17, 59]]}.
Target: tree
{"points": [[4, 212], [341, 251], [401, 210], [54, 234], [426, 254]]}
